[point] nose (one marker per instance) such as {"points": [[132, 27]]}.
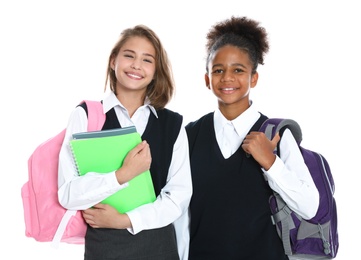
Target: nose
{"points": [[227, 76], [136, 64]]}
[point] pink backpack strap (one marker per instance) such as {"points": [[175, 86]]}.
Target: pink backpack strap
{"points": [[96, 116], [96, 119]]}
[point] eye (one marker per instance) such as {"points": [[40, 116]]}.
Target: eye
{"points": [[148, 60], [238, 70], [217, 71], [128, 56]]}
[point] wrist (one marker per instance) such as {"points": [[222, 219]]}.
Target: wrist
{"points": [[123, 221], [269, 162], [121, 175]]}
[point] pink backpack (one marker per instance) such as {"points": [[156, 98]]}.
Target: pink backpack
{"points": [[45, 219]]}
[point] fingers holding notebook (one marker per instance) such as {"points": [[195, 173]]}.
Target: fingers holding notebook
{"points": [[137, 161]]}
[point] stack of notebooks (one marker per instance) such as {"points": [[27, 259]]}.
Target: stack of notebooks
{"points": [[103, 152]]}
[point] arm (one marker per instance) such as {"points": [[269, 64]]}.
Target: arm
{"points": [[171, 203], [288, 175], [171, 206], [83, 192], [175, 196]]}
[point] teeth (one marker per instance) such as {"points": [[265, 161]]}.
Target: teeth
{"points": [[229, 89], [135, 76]]}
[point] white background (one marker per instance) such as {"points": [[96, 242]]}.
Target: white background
{"points": [[53, 54]]}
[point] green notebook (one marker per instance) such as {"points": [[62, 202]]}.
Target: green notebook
{"points": [[104, 151]]}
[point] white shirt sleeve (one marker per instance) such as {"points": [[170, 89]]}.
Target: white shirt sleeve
{"points": [[81, 192], [171, 206], [174, 198], [290, 177]]}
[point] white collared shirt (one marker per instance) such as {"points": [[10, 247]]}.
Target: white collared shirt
{"points": [[242, 124], [82, 192], [289, 175]]}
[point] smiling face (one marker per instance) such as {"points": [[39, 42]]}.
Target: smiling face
{"points": [[230, 78], [134, 66]]}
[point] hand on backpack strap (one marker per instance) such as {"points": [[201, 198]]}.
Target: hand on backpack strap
{"points": [[261, 148]]}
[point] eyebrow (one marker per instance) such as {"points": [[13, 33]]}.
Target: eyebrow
{"points": [[233, 64], [145, 54]]}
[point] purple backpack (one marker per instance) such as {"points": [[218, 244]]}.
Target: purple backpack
{"points": [[316, 238]]}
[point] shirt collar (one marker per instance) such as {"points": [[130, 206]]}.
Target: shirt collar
{"points": [[242, 124], [110, 100]]}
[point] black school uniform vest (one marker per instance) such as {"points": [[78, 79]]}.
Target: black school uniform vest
{"points": [[156, 244], [230, 214]]}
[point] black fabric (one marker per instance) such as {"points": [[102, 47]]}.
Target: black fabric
{"points": [[113, 244], [156, 244], [233, 196], [161, 134], [111, 120]]}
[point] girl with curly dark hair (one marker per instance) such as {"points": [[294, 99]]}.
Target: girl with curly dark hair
{"points": [[230, 159]]}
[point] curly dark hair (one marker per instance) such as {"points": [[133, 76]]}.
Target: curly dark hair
{"points": [[241, 32]]}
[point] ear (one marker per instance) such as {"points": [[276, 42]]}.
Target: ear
{"points": [[254, 79], [112, 62], [206, 79]]}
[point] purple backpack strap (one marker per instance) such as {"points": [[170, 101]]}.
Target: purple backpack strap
{"points": [[273, 125]]}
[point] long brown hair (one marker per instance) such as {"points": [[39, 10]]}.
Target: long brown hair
{"points": [[161, 88]]}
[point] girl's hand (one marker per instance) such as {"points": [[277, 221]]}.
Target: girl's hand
{"points": [[105, 216], [137, 161], [261, 148]]}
